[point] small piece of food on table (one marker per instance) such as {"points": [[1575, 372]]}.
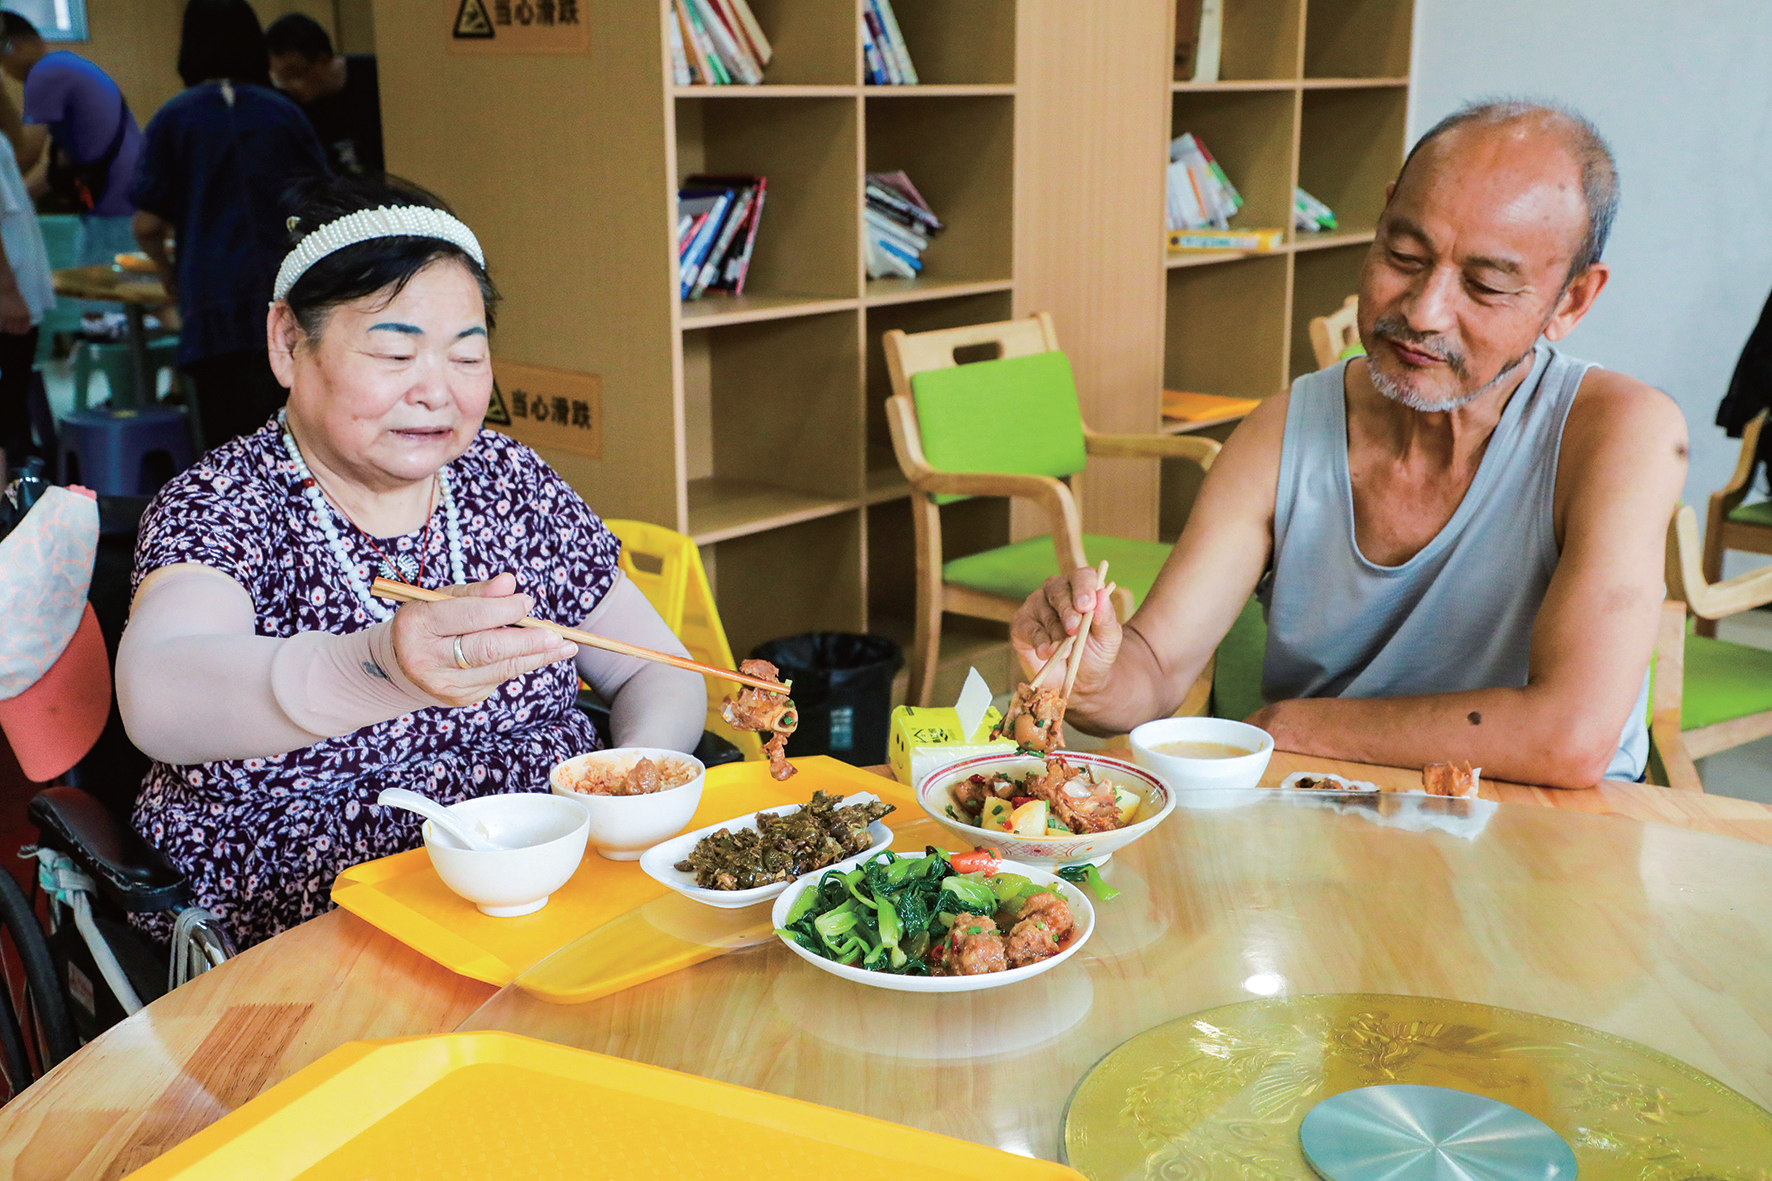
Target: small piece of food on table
{"points": [[938, 915], [1451, 779], [1088, 875], [1076, 802], [783, 846], [599, 778], [1035, 720], [759, 710]]}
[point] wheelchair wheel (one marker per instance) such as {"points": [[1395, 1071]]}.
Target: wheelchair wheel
{"points": [[45, 1031]]}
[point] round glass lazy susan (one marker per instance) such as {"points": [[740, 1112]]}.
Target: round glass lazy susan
{"points": [[1224, 1093]]}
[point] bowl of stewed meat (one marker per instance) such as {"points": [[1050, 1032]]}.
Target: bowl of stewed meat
{"points": [[635, 796], [1046, 810], [934, 921]]}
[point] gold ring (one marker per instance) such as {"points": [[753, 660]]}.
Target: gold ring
{"points": [[461, 661]]}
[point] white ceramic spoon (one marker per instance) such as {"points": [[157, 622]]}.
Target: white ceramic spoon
{"points": [[431, 810]]}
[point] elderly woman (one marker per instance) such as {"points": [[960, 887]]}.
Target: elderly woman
{"points": [[275, 693]]}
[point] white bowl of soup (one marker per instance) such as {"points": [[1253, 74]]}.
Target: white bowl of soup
{"points": [[635, 796], [1203, 754]]}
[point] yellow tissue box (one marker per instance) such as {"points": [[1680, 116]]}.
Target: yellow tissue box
{"points": [[926, 738]]}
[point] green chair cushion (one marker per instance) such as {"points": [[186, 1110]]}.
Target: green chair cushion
{"points": [[1355, 349], [1236, 676], [1017, 415], [1758, 513], [1016, 570], [1724, 681]]}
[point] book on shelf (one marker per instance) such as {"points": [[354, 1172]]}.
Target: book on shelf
{"points": [[1208, 41], [898, 222], [885, 57], [1187, 38], [1199, 193], [1309, 214], [716, 253], [1256, 241], [1179, 406], [721, 43]]}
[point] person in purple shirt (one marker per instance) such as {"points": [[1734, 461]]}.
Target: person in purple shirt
{"points": [[76, 107]]}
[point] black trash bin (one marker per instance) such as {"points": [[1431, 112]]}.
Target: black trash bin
{"points": [[843, 689]]}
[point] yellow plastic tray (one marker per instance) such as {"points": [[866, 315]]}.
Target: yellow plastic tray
{"points": [[496, 1105], [403, 896]]}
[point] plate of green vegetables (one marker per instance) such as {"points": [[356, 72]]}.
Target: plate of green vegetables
{"points": [[926, 922]]}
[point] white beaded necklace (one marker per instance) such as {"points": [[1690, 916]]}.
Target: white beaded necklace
{"points": [[323, 513]]}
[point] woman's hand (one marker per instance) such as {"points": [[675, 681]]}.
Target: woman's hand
{"points": [[1056, 611], [480, 615]]}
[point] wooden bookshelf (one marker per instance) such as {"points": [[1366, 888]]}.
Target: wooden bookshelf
{"points": [[752, 424], [1310, 95]]}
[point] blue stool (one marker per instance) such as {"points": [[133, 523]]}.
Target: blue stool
{"points": [[113, 360], [124, 452]]}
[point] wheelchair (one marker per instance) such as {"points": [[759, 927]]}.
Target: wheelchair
{"points": [[92, 967]]}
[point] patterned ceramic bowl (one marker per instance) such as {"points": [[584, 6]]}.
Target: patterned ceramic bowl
{"points": [[1157, 801]]}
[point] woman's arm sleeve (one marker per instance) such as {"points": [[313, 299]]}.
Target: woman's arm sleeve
{"points": [[650, 704], [196, 684]]}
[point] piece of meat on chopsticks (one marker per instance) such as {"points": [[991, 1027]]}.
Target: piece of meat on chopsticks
{"points": [[1035, 720], [762, 711]]}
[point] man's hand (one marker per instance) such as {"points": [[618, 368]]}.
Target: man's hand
{"points": [[1056, 611], [480, 615]]}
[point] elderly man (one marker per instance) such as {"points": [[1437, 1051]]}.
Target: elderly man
{"points": [[1458, 537]]}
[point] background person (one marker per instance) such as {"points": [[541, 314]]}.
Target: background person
{"points": [[25, 294], [339, 93], [1458, 538], [75, 108], [218, 160], [277, 696]]}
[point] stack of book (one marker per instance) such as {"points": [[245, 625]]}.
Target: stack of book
{"points": [[717, 220], [1309, 214], [899, 223], [1201, 202], [885, 60], [1201, 196], [717, 43]]}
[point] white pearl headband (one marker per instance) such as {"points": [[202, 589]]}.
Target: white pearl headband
{"points": [[389, 221]]}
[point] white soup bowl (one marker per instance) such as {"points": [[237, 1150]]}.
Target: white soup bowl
{"points": [[1186, 774], [544, 841]]}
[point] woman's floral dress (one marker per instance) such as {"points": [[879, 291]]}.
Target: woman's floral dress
{"points": [[262, 839]]}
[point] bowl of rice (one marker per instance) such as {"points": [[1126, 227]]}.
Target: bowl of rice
{"points": [[636, 796]]}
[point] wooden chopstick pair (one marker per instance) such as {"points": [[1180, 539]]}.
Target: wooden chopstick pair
{"points": [[386, 588]]}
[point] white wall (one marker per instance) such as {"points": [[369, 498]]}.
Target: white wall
{"points": [[1683, 92]]}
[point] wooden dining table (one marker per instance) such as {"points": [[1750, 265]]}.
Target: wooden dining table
{"points": [[1629, 909]]}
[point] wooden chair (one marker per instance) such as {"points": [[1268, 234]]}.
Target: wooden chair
{"points": [[1731, 524], [1009, 426], [1708, 694], [1334, 334]]}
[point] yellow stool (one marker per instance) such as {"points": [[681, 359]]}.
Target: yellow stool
{"points": [[667, 568]]}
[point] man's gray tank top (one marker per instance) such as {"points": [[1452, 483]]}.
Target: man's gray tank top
{"points": [[1456, 616]]}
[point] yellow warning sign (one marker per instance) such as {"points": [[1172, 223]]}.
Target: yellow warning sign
{"points": [[519, 26], [471, 20], [546, 407]]}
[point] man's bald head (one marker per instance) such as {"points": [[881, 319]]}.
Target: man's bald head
{"points": [[1586, 148]]}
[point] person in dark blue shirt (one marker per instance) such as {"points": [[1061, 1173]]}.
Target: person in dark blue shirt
{"points": [[218, 160]]}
